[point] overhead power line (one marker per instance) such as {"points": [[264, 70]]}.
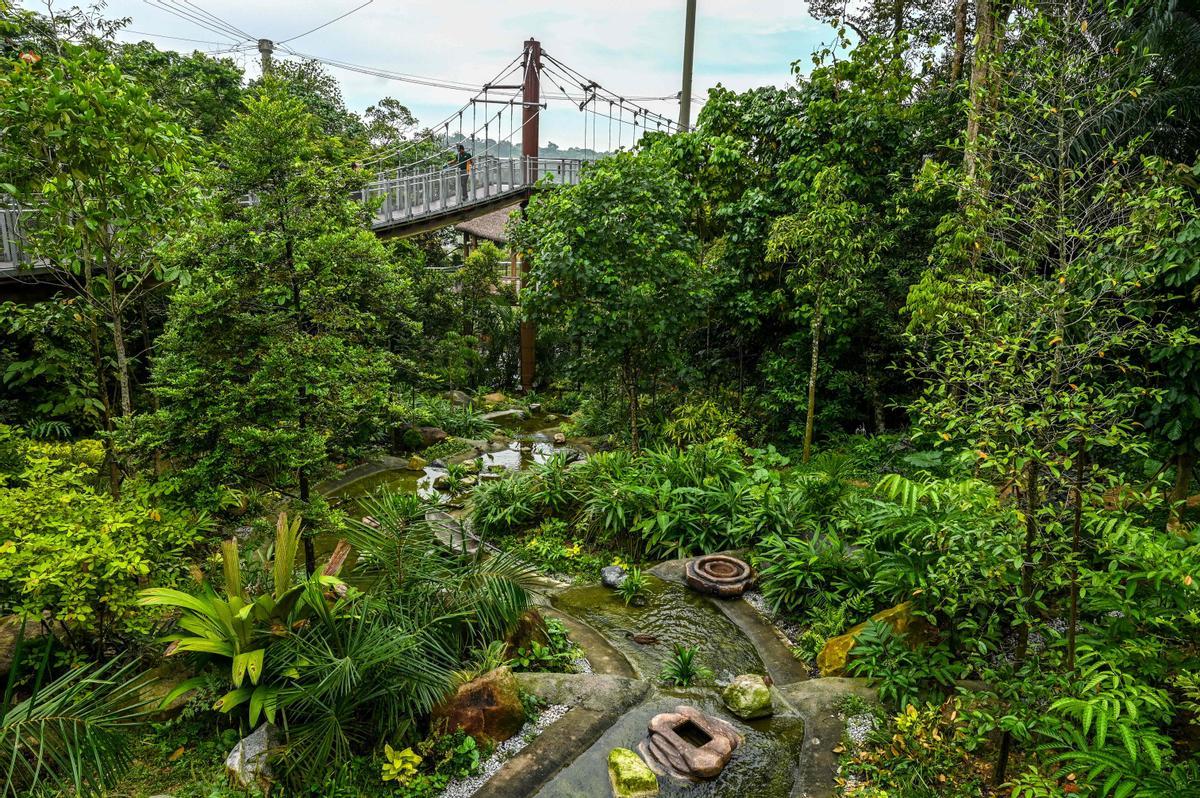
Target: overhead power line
{"points": [[327, 24]]}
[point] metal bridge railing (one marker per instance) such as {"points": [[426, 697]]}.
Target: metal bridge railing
{"points": [[405, 196], [435, 191]]}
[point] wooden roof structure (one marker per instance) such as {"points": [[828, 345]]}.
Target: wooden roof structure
{"points": [[490, 226]]}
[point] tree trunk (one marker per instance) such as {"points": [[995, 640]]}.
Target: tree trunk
{"points": [[310, 554], [1076, 530], [960, 40], [118, 334], [873, 395], [814, 358], [630, 380], [1185, 463], [990, 19], [1031, 530]]}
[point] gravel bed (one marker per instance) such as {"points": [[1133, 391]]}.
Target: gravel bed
{"points": [[790, 630], [859, 727], [464, 788], [582, 665]]}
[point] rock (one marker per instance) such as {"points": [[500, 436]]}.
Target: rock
{"points": [[10, 630], [530, 628], [247, 766], [152, 692], [456, 398], [469, 481], [441, 482], [836, 654], [629, 776], [471, 466], [535, 407], [748, 697], [612, 576], [416, 463], [439, 463], [496, 398], [559, 438], [487, 708], [504, 415], [431, 435], [497, 468]]}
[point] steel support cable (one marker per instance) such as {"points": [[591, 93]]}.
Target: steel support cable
{"points": [[327, 24], [614, 100], [215, 19], [584, 81], [198, 21], [504, 73]]}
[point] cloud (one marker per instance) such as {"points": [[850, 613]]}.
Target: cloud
{"points": [[633, 47]]}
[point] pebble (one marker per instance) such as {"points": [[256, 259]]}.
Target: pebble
{"points": [[790, 630], [582, 665], [464, 788]]}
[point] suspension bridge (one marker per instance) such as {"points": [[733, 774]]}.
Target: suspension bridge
{"points": [[423, 184]]}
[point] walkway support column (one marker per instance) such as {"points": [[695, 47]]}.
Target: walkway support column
{"points": [[531, 107]]}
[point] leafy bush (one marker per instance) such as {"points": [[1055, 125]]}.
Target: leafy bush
{"points": [[434, 411], [821, 570], [633, 586], [901, 673], [557, 654], [68, 547], [503, 506]]}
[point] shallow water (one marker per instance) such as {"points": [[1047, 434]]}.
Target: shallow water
{"points": [[763, 766], [673, 614]]}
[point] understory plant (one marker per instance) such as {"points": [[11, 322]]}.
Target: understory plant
{"points": [[683, 669]]}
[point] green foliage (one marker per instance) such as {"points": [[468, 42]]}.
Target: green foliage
{"points": [[682, 669], [72, 733], [502, 506], [557, 654], [633, 586], [922, 751], [614, 270], [901, 673], [70, 548], [434, 411]]}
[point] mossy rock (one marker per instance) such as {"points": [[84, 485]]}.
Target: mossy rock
{"points": [[629, 775], [835, 655], [748, 697]]}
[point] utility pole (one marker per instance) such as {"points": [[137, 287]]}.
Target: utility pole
{"points": [[531, 97], [689, 47], [265, 48]]}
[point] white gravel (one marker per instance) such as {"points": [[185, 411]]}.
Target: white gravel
{"points": [[790, 630], [582, 665], [859, 727], [464, 788]]}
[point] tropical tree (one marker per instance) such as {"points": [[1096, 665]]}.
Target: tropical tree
{"points": [[825, 247], [274, 358], [614, 271], [104, 176]]}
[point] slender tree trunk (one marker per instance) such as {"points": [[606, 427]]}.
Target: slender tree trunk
{"points": [[814, 358], [984, 30], [873, 394], [960, 40], [630, 379], [114, 468], [1030, 500], [118, 335], [1185, 464], [1076, 534], [310, 553]]}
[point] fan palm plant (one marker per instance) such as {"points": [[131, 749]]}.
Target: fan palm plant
{"points": [[71, 735]]}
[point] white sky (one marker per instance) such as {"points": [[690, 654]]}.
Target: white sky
{"points": [[633, 47]]}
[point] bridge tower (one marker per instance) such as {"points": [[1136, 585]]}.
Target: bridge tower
{"points": [[530, 141]]}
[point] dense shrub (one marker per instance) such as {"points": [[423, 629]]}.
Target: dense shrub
{"points": [[68, 547]]}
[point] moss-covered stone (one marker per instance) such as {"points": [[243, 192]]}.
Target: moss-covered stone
{"points": [[834, 657], [629, 775], [748, 697]]}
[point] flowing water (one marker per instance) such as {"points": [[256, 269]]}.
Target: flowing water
{"points": [[672, 613], [763, 766]]}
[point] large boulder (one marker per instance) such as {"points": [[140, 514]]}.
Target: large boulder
{"points": [[487, 708], [530, 629], [456, 398], [629, 776], [748, 697], [247, 766], [835, 655]]}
